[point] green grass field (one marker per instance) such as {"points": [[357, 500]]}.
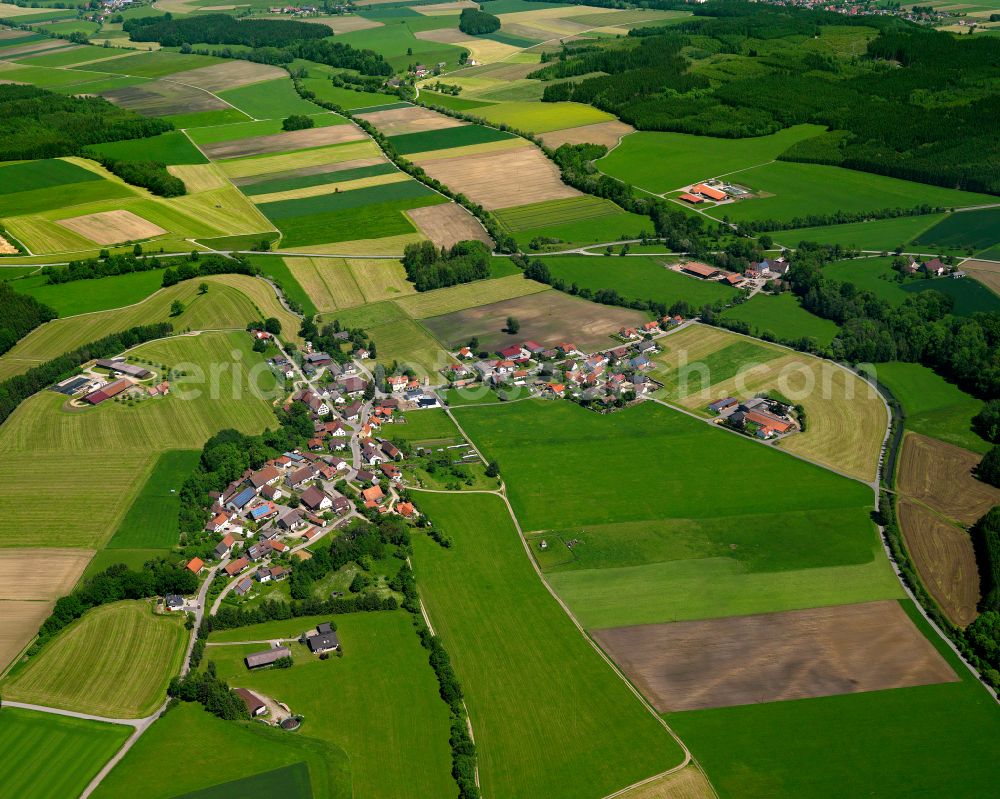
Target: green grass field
{"points": [[198, 119], [878, 234], [168, 148], [974, 229], [549, 715], [930, 741], [190, 735], [870, 274], [407, 343], [446, 138], [637, 278], [62, 197], [271, 99], [395, 40], [151, 521], [727, 546], [274, 268], [264, 127], [115, 662], [157, 64], [32, 175], [660, 162], [933, 406], [347, 99], [379, 702], [793, 188], [109, 292], [432, 424], [61, 754], [542, 117], [322, 179], [450, 101], [783, 317], [345, 200], [970, 296]]}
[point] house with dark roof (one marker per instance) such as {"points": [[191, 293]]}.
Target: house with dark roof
{"points": [[253, 702], [315, 499], [242, 499], [323, 642], [243, 586]]}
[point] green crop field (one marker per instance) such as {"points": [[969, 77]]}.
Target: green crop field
{"points": [[114, 662], [157, 64], [264, 127], [639, 278], [32, 175], [660, 162], [151, 521], [271, 99], [379, 702], [538, 695], [790, 191], [408, 343], [198, 119], [190, 735], [68, 56], [933, 406], [446, 138], [556, 212], [346, 98], [542, 117], [274, 268], [878, 234], [450, 101], [63, 197], [395, 41], [879, 742], [291, 781], [783, 317], [970, 296], [359, 198], [432, 424], [869, 274], [727, 534], [109, 292], [72, 751], [168, 148], [975, 229], [322, 179]]}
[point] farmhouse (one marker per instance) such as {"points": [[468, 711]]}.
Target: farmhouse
{"points": [[709, 192], [108, 391], [260, 659], [318, 359], [694, 199], [316, 500], [325, 639], [242, 499], [118, 366], [264, 477], [701, 270], [722, 405], [253, 702], [236, 566], [243, 586]]}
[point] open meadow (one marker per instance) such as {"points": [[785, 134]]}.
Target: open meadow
{"points": [[782, 316], [549, 716], [114, 662]]}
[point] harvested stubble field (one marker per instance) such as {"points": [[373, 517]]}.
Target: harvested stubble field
{"points": [[40, 573], [547, 317], [944, 558], [447, 224], [482, 49], [21, 620], [380, 279], [304, 159], [114, 662], [607, 133], [846, 418], [199, 177], [688, 783], [112, 227], [482, 177], [773, 657], [458, 298], [284, 142], [328, 282], [412, 119], [939, 475], [986, 272], [346, 23], [229, 75]]}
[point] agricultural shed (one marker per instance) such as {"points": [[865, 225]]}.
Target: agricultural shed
{"points": [[266, 658]]}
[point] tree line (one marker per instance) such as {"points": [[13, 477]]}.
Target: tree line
{"points": [[19, 315], [209, 265], [36, 123], [429, 268], [16, 389], [222, 29]]}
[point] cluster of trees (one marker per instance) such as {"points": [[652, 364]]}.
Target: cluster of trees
{"points": [[35, 123], [752, 227], [475, 22], [987, 422], [152, 175], [209, 265], [222, 29], [325, 339], [117, 582], [18, 388], [965, 350], [988, 469], [211, 691], [297, 122], [463, 750], [428, 268], [19, 315]]}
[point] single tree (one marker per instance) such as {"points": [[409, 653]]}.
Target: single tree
{"points": [[176, 308], [203, 288], [513, 325], [493, 469]]}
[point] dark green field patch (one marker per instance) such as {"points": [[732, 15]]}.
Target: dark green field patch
{"points": [[976, 229], [446, 138], [970, 295], [18, 41], [304, 181], [371, 109], [324, 203], [168, 148], [511, 39], [275, 269], [200, 119], [290, 782], [31, 175], [450, 101], [151, 521]]}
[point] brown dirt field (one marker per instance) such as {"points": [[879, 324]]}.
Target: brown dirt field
{"points": [[230, 75], [503, 179], [36, 47], [447, 224], [112, 227], [606, 133], [21, 621], [945, 560], [940, 476], [410, 120], [40, 573], [284, 142], [688, 783], [547, 317], [346, 23], [160, 98], [320, 169], [986, 272], [6, 248], [770, 657]]}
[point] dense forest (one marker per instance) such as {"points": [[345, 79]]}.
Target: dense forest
{"points": [[475, 22], [428, 268], [152, 175], [739, 69], [19, 315], [35, 123], [222, 29]]}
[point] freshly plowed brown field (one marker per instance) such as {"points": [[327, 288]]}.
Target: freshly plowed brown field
{"points": [[606, 133], [414, 119], [447, 224], [231, 75], [502, 179], [770, 657], [160, 98], [940, 475], [112, 227], [944, 559], [284, 142]]}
